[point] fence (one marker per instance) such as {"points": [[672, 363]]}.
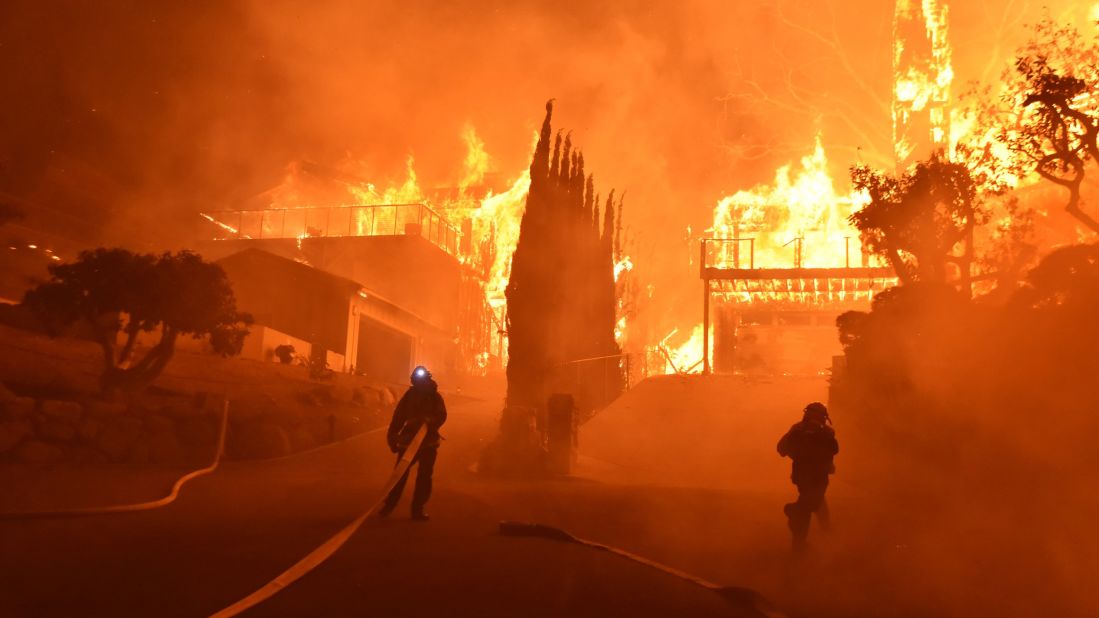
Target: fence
{"points": [[595, 382]]}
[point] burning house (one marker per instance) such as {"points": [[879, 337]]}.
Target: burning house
{"points": [[332, 320], [779, 265], [436, 267], [781, 262], [401, 260]]}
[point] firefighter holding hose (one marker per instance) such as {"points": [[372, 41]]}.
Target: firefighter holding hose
{"points": [[420, 405], [811, 444]]}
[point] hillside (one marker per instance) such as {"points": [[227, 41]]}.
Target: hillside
{"points": [[50, 410]]}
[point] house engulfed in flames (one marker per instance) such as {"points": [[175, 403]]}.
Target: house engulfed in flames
{"points": [[440, 259], [781, 262], [778, 265]]}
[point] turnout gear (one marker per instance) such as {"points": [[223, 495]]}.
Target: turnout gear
{"points": [[811, 444], [420, 405]]}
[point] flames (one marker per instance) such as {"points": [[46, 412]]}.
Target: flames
{"points": [[799, 221], [622, 266], [623, 286], [407, 192], [686, 357], [922, 78], [496, 224], [477, 161], [315, 200]]}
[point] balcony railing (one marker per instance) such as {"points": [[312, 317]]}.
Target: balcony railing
{"points": [[338, 221]]}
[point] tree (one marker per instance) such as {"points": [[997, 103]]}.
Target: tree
{"points": [[1059, 134], [1066, 278], [561, 296], [1044, 120], [917, 219], [120, 295]]}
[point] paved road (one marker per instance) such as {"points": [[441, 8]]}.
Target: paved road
{"points": [[233, 531]]}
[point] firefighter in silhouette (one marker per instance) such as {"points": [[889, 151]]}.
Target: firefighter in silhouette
{"points": [[811, 444], [421, 405]]}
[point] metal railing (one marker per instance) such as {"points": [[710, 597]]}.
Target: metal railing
{"points": [[597, 381], [338, 221], [727, 251]]}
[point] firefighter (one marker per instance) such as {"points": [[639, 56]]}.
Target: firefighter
{"points": [[811, 444], [420, 405]]}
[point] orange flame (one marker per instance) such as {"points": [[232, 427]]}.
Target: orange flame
{"points": [[497, 221], [923, 75], [799, 221]]}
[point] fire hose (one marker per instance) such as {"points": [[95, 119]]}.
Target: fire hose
{"points": [[139, 506], [744, 599], [314, 558]]}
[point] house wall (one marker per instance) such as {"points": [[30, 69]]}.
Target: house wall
{"points": [[428, 346], [775, 342], [291, 298], [261, 342]]}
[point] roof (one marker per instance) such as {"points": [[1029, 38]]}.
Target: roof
{"points": [[258, 258]]}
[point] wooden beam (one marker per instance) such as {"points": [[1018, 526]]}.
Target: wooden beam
{"points": [[765, 274]]}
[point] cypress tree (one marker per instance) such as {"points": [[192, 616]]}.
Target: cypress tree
{"points": [[525, 331], [561, 303]]}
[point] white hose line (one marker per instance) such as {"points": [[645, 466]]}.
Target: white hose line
{"points": [[325, 551], [139, 506], [745, 598]]}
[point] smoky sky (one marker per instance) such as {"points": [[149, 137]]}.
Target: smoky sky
{"points": [[122, 120]]}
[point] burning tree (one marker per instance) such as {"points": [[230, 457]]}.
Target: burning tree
{"points": [[561, 293], [119, 295]]}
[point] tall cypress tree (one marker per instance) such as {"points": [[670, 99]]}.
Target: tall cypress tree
{"points": [[561, 300], [525, 333]]}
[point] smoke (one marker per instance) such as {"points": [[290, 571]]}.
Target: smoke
{"points": [[124, 120]]}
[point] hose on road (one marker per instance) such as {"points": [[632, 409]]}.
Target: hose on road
{"points": [[325, 551], [138, 506], [746, 600]]}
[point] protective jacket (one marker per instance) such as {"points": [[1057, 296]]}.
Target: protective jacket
{"points": [[812, 448], [421, 404]]}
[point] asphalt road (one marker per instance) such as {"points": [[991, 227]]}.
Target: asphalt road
{"points": [[233, 531]]}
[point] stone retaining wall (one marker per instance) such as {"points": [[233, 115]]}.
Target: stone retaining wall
{"points": [[184, 433]]}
